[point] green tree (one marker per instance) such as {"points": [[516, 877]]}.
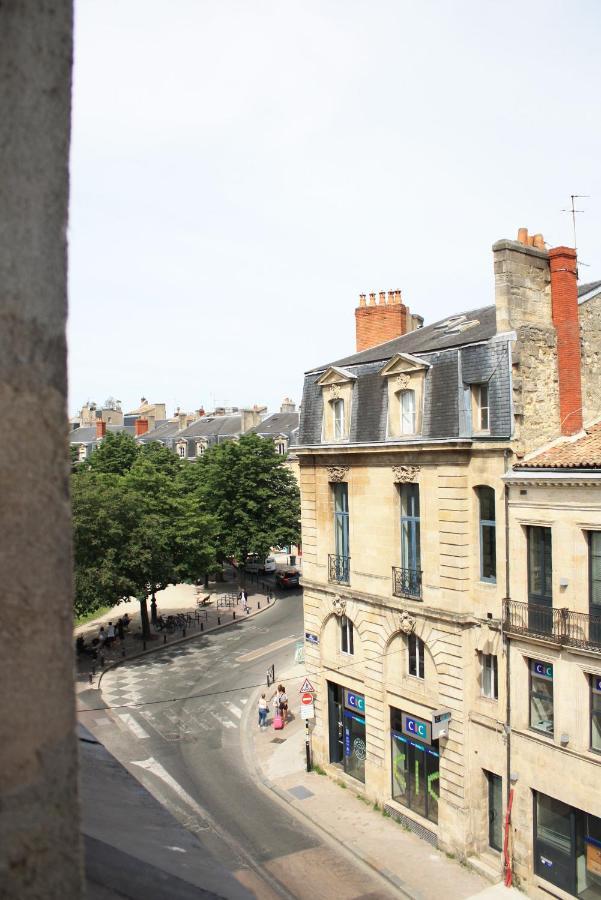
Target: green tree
{"points": [[251, 493], [115, 454]]}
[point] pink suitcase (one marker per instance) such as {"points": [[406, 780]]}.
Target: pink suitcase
{"points": [[278, 723]]}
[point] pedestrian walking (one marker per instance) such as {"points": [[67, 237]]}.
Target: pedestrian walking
{"points": [[102, 636], [120, 629], [263, 707], [244, 599], [276, 703], [110, 634]]}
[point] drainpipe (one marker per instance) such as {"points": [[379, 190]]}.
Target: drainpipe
{"points": [[506, 641]]}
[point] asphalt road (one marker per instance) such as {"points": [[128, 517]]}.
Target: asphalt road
{"points": [[175, 719]]}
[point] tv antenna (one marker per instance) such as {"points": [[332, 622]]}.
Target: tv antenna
{"points": [[573, 211]]}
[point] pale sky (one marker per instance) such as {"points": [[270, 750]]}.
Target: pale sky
{"points": [[241, 171]]}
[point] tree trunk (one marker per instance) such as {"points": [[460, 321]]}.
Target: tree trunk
{"points": [[144, 619], [206, 579], [153, 609]]}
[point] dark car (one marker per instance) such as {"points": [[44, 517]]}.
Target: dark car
{"points": [[288, 578]]}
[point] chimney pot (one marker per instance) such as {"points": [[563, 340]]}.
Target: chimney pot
{"points": [[141, 426], [523, 236], [362, 300], [539, 242], [391, 298], [372, 299], [100, 428], [382, 298]]}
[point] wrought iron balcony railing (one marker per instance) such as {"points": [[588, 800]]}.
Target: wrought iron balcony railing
{"points": [[407, 583], [339, 568], [561, 626]]}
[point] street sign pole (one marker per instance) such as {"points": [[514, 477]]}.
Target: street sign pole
{"points": [[308, 745]]}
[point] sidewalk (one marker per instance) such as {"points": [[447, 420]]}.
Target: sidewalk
{"points": [[179, 598], [418, 870]]}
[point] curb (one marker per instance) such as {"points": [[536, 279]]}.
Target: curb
{"points": [[182, 640], [255, 767]]}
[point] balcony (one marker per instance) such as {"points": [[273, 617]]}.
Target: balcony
{"points": [[407, 583], [339, 568], [560, 626]]}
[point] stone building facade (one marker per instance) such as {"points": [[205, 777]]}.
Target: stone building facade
{"points": [[403, 448]]}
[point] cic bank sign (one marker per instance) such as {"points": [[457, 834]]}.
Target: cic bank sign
{"points": [[416, 728]]}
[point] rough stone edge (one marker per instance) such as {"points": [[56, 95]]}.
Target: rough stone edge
{"points": [[254, 767], [182, 640]]}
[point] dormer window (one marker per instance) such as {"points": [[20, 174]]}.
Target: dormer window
{"points": [[181, 451], [480, 407], [338, 416], [407, 401]]}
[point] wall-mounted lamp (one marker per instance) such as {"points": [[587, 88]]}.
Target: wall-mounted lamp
{"points": [[514, 777], [564, 740], [563, 582]]}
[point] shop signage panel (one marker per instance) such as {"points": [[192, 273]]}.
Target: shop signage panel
{"points": [[542, 669], [440, 723], [354, 701], [417, 728]]}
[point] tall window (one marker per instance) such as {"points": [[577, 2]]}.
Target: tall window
{"points": [[407, 399], [182, 450], [595, 586], [341, 519], [410, 536], [346, 636], [416, 649], [541, 696], [596, 713], [338, 412], [539, 565], [488, 550], [490, 676], [480, 407]]}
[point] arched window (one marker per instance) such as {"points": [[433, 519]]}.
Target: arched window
{"points": [[338, 412], [488, 532], [407, 401], [417, 651]]}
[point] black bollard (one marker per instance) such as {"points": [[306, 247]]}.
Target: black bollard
{"points": [[202, 626], [144, 644], [164, 638], [219, 620], [234, 614], [258, 604], [184, 632]]}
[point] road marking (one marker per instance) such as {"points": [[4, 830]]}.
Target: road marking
{"points": [[234, 710], [131, 723], [225, 722], [156, 769], [255, 654]]}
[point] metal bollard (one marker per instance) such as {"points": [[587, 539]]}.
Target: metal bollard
{"points": [[258, 604], [184, 631], [164, 638], [144, 645], [202, 626], [234, 614], [219, 620]]}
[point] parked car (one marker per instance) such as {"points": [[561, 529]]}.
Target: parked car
{"points": [[255, 564], [288, 578]]}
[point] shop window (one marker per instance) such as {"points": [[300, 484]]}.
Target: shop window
{"points": [[346, 636], [415, 764], [480, 408], [407, 401], [489, 676], [596, 713], [416, 648], [488, 538], [346, 710], [567, 845], [541, 696], [338, 416]]}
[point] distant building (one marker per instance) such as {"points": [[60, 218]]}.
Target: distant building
{"points": [[87, 437]]}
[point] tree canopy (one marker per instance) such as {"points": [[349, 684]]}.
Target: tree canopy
{"points": [[144, 519]]}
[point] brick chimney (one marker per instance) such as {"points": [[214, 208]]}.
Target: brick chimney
{"points": [[564, 306], [100, 429], [141, 426], [377, 323]]}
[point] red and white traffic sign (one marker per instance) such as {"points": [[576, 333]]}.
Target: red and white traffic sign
{"points": [[307, 699], [306, 686], [307, 708]]}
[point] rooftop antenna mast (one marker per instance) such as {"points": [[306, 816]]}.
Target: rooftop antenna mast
{"points": [[573, 211]]}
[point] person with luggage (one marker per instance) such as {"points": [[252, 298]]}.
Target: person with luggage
{"points": [[283, 704], [278, 722]]}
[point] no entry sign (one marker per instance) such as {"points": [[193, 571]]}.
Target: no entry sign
{"points": [[307, 708], [307, 699]]}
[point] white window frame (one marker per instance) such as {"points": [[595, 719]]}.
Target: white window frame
{"points": [[420, 657], [347, 638], [489, 683], [408, 417], [181, 450], [481, 410], [338, 418]]}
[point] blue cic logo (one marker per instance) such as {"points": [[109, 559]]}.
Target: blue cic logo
{"points": [[417, 728], [354, 701], [543, 669]]}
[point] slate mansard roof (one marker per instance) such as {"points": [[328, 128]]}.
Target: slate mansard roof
{"points": [[460, 350]]}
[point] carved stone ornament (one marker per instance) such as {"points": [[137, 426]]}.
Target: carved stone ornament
{"points": [[335, 391], [339, 605], [407, 623], [403, 381], [405, 474], [337, 473]]}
